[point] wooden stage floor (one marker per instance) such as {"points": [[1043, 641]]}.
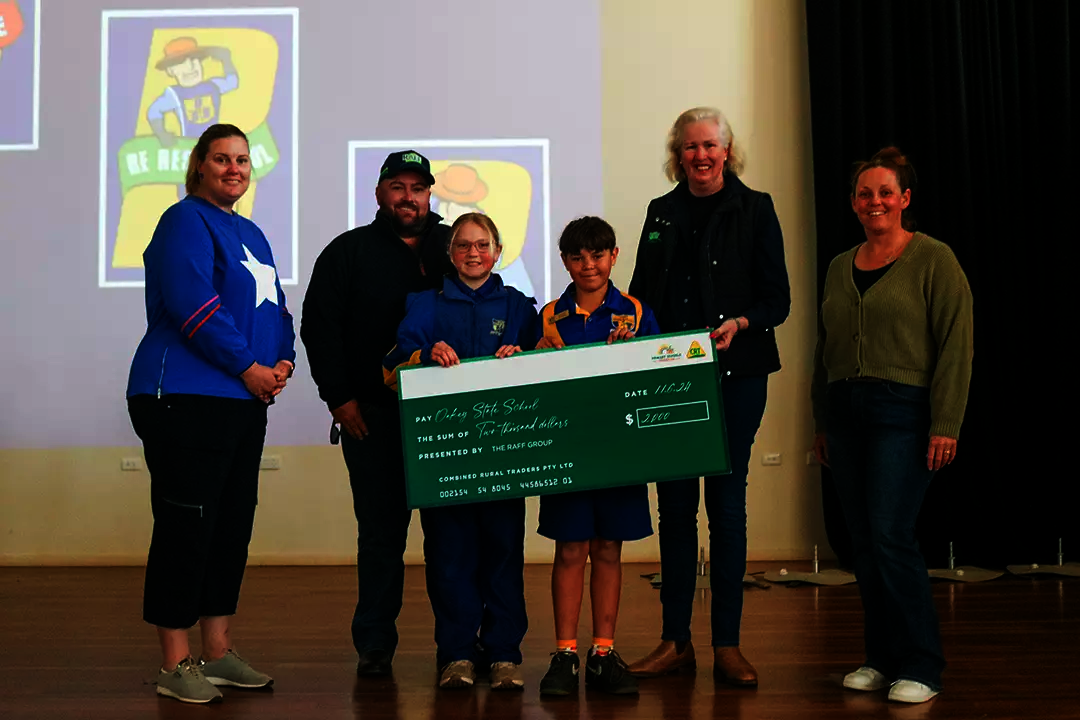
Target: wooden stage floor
{"points": [[72, 646]]}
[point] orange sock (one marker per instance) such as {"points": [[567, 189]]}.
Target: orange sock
{"points": [[566, 646], [602, 646]]}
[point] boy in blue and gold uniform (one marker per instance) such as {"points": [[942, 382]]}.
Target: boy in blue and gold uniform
{"points": [[593, 523]]}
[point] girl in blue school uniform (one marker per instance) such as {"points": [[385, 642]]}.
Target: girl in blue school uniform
{"points": [[474, 554]]}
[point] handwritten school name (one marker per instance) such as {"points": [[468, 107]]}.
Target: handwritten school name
{"points": [[479, 411]]}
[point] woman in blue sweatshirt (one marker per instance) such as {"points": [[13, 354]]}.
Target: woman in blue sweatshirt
{"points": [[218, 348], [474, 554]]}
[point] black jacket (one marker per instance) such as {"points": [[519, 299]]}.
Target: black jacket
{"points": [[741, 269], [356, 300]]}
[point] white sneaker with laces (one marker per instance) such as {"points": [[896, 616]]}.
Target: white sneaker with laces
{"points": [[911, 691], [866, 679]]}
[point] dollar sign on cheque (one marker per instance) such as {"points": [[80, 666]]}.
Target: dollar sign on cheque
{"points": [[629, 419]]}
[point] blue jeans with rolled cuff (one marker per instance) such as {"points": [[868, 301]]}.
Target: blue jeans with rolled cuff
{"points": [[878, 435], [725, 504]]}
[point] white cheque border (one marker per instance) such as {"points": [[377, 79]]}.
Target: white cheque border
{"points": [[33, 144], [389, 145], [106, 17], [552, 366]]}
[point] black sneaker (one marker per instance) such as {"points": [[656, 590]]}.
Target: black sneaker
{"points": [[562, 675], [609, 673]]}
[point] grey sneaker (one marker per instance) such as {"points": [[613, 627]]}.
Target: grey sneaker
{"points": [[233, 670], [458, 674], [187, 684], [506, 676]]}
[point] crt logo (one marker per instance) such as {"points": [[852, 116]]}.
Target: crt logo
{"points": [[695, 351]]}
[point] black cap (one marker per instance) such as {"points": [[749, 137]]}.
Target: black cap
{"points": [[406, 161]]}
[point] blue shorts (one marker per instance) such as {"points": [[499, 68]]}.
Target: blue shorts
{"points": [[620, 513]]}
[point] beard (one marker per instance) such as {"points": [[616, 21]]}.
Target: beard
{"points": [[402, 228]]}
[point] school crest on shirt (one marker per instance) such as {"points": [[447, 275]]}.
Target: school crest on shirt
{"points": [[498, 327], [618, 322]]}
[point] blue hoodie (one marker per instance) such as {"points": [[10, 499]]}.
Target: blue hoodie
{"points": [[214, 305], [475, 323]]}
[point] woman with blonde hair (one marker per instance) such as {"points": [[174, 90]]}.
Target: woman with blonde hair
{"points": [[711, 254]]}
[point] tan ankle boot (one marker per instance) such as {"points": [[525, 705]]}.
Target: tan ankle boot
{"points": [[731, 667], [664, 660]]}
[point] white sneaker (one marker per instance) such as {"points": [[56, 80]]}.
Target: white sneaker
{"points": [[910, 691], [866, 679]]}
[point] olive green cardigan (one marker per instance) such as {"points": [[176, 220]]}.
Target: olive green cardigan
{"points": [[913, 326]]}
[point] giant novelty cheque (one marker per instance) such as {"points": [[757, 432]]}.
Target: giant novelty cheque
{"points": [[579, 418]]}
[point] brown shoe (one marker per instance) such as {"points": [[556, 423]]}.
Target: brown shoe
{"points": [[731, 667], [665, 661]]}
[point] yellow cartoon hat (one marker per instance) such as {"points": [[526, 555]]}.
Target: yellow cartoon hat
{"points": [[461, 184], [180, 49]]}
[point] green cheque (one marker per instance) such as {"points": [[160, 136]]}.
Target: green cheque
{"points": [[584, 417]]}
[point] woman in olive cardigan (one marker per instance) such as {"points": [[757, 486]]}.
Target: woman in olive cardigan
{"points": [[891, 376]]}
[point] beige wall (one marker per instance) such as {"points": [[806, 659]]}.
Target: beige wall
{"points": [[748, 57]]}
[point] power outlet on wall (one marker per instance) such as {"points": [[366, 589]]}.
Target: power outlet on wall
{"points": [[270, 462], [131, 463], [770, 459]]}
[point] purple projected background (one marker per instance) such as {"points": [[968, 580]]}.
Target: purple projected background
{"points": [[17, 76], [129, 42], [369, 72]]}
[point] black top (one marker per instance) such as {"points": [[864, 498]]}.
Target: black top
{"points": [[865, 279], [355, 301], [683, 309]]}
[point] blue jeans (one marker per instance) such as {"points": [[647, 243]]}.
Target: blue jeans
{"points": [[725, 504], [878, 434], [474, 558]]}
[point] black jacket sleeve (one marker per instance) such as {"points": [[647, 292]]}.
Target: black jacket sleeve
{"points": [[772, 291], [639, 281], [322, 325]]}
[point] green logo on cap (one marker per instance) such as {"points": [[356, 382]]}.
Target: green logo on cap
{"points": [[412, 157], [654, 237]]}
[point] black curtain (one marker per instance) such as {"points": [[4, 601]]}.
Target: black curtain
{"points": [[980, 96]]}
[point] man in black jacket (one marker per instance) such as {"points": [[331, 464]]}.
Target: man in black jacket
{"points": [[354, 304]]}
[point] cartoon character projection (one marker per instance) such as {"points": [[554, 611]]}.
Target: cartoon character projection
{"points": [[459, 189], [194, 99], [11, 24], [182, 81]]}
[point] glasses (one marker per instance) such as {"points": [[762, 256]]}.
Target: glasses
{"points": [[463, 248]]}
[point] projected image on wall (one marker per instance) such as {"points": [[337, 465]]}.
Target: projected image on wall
{"points": [[19, 59], [169, 75], [506, 180]]}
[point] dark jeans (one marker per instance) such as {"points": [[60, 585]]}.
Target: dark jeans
{"points": [[203, 455], [377, 476], [878, 434], [725, 504], [474, 562]]}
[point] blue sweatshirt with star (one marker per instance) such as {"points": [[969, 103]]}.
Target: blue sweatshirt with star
{"points": [[564, 320], [214, 305], [475, 323]]}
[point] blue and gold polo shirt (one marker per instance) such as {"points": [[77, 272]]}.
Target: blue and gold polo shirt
{"points": [[563, 318]]}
